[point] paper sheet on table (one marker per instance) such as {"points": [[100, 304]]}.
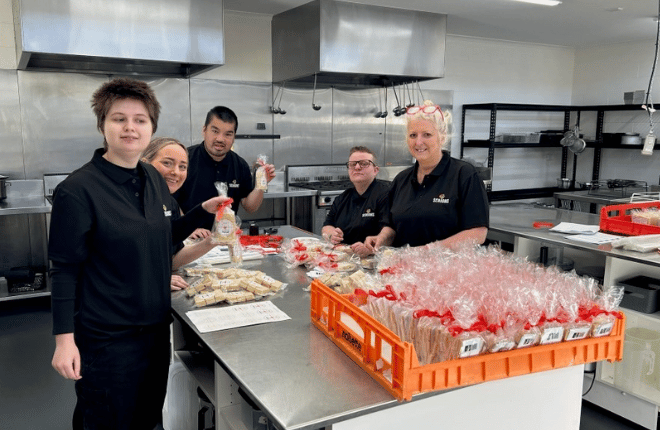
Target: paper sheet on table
{"points": [[569, 227], [596, 238], [214, 319]]}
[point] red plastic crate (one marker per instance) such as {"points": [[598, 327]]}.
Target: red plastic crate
{"points": [[403, 376], [617, 219]]}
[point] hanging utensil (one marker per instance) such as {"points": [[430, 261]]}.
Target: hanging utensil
{"points": [[383, 114], [315, 106], [273, 109], [420, 93], [379, 112], [409, 93], [398, 109], [281, 111]]}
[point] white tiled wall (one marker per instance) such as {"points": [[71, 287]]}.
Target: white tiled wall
{"points": [[602, 75]]}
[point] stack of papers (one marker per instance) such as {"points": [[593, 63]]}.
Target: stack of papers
{"points": [[569, 227], [584, 233]]}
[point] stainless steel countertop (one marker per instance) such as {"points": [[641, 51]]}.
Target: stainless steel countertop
{"points": [[294, 373], [297, 376], [278, 191], [518, 219], [24, 197]]}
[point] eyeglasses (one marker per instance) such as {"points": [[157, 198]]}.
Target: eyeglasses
{"points": [[412, 110], [363, 164]]}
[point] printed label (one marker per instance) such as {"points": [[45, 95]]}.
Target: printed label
{"points": [[603, 329], [503, 345], [471, 347], [577, 333], [551, 335], [527, 340]]}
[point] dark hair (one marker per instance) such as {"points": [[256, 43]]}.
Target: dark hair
{"points": [[121, 89], [363, 149], [224, 114], [159, 143]]}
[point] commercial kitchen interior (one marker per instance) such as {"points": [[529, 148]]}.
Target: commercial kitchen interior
{"points": [[583, 52]]}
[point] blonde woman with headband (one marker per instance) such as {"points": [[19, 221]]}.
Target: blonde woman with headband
{"points": [[439, 199], [170, 158]]}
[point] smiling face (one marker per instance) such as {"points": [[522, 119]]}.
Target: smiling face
{"points": [[127, 130], [362, 175], [425, 142], [218, 138], [172, 162]]}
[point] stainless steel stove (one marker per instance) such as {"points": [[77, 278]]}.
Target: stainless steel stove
{"points": [[328, 180]]}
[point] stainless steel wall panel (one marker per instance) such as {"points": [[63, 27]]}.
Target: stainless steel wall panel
{"points": [[396, 148], [174, 97], [59, 127], [354, 123], [251, 103], [306, 134], [11, 138]]}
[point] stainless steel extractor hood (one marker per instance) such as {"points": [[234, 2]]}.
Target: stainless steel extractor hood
{"points": [[352, 44], [128, 37]]}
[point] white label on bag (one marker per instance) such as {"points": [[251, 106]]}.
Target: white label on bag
{"points": [[577, 333], [526, 340], [471, 347], [551, 335], [603, 329], [503, 345]]}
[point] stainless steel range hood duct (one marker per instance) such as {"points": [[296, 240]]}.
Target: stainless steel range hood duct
{"points": [[357, 45], [128, 37]]}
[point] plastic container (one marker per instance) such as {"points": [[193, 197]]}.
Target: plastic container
{"points": [[642, 294], [640, 365], [393, 363], [616, 219]]}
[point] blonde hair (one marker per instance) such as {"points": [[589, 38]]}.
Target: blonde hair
{"points": [[157, 144], [440, 118]]}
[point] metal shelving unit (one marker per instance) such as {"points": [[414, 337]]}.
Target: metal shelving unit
{"points": [[26, 197], [597, 145]]}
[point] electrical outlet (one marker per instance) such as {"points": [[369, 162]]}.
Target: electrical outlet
{"points": [[649, 143]]}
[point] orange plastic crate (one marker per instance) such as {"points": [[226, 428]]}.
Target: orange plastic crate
{"points": [[617, 219], [342, 321]]}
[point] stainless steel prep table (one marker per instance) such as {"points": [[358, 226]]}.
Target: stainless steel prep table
{"points": [[513, 223], [301, 380]]}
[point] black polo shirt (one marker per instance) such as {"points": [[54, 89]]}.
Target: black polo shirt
{"points": [[203, 172], [359, 216], [450, 199], [111, 245]]}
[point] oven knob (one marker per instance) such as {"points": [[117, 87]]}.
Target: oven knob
{"points": [[327, 199]]}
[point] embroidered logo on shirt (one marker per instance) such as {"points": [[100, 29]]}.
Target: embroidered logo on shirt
{"points": [[166, 212], [368, 214], [233, 184], [441, 199]]}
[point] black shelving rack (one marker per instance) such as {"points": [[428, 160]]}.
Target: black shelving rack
{"points": [[491, 144]]}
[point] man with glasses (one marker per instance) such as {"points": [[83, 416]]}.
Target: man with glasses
{"points": [[360, 211]]}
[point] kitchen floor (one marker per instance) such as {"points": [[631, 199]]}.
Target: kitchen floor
{"points": [[34, 397]]}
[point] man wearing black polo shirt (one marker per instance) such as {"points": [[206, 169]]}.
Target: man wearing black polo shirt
{"points": [[213, 161], [360, 211]]}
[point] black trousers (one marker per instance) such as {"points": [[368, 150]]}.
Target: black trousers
{"points": [[123, 381]]}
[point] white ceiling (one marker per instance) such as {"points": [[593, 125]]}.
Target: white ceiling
{"points": [[574, 23]]}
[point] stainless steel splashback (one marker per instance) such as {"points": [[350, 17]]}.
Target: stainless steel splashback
{"points": [[356, 44], [154, 38]]}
